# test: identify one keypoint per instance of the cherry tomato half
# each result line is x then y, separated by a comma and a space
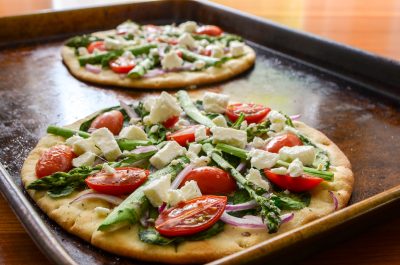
254, 113
185, 135
170, 122
192, 216
56, 159
112, 120
99, 45
209, 30
125, 180
298, 184
280, 141
122, 65
212, 180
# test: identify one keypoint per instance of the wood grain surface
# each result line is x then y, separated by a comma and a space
370, 25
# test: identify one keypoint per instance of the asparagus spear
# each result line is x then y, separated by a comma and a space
191, 57
124, 144
131, 209
326, 175
269, 211
191, 110
142, 68
142, 49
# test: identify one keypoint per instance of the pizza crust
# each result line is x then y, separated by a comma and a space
80, 218
172, 80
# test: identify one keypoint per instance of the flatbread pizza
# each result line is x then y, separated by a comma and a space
157, 57
174, 180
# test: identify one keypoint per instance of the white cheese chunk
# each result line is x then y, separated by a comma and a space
190, 190
112, 44
165, 107
128, 55
82, 51
108, 169
171, 61
201, 161
188, 26
279, 170
186, 40
262, 159
220, 121
175, 197
195, 148
133, 132
213, 102
243, 126
199, 64
157, 190
102, 211
295, 168
254, 176
236, 48
305, 153
200, 133
81, 146
86, 159
192, 156
104, 139
230, 136
128, 27
258, 143
73, 139
277, 120
154, 128
166, 154
216, 51
149, 102
203, 42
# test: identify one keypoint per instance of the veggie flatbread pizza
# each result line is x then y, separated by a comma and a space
180, 181
150, 56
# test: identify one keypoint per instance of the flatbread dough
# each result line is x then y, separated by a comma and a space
170, 80
80, 218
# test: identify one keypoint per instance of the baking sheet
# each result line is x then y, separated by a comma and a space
361, 115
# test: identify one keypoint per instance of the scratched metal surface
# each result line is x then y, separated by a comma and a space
36, 90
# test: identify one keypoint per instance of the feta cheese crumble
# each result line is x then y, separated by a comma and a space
133, 132
165, 107
166, 154
230, 136
262, 159
295, 168
305, 153
254, 176
171, 61
213, 102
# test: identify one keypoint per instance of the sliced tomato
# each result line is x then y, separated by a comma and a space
169, 41
170, 122
297, 184
56, 159
210, 30
254, 113
122, 65
280, 141
191, 217
99, 45
179, 53
112, 120
206, 52
185, 135
212, 180
125, 180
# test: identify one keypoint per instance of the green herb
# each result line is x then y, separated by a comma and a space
141, 69
269, 212
140, 110
292, 201
131, 209
126, 144
191, 110
81, 41
156, 136
259, 130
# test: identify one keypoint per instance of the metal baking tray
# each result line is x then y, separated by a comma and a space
350, 95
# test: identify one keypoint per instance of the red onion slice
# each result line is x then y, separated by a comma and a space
95, 69
94, 195
154, 73
286, 217
240, 207
295, 117
177, 181
144, 149
162, 207
241, 166
131, 113
248, 222
335, 200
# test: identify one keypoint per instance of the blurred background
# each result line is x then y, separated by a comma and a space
370, 25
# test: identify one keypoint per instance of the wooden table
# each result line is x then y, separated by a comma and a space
370, 25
